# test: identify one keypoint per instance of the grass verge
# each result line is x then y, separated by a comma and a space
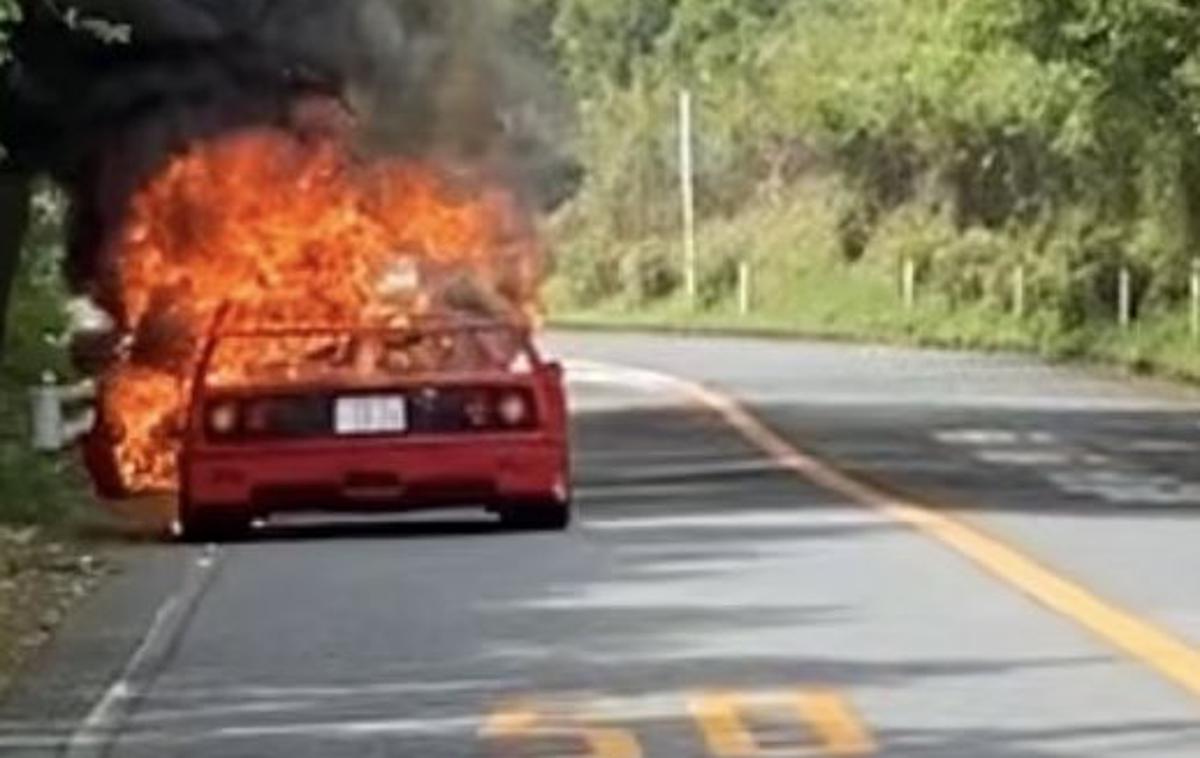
841, 304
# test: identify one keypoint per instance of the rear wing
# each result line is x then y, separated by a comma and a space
417, 328
426, 346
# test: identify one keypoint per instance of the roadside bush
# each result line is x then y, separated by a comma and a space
650, 271
974, 267
911, 233
587, 267
36, 489
717, 277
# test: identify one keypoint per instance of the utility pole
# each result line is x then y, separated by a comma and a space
687, 182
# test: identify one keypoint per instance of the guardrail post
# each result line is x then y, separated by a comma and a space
1195, 290
46, 415
51, 428
745, 299
908, 284
1125, 298
1019, 283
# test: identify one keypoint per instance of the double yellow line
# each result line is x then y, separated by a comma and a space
1151, 645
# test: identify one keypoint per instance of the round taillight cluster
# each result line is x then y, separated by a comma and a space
223, 417
513, 409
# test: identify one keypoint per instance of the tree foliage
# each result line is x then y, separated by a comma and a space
10, 13
1065, 132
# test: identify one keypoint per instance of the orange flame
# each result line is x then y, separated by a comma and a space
285, 231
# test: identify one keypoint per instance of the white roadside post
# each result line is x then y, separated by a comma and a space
1195, 290
46, 415
1125, 298
51, 428
745, 298
908, 283
688, 190
61, 415
1019, 284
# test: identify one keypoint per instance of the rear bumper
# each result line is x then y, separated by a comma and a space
383, 476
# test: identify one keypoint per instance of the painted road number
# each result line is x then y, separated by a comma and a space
727, 722
526, 722
833, 728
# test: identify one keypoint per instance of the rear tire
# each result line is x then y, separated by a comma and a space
548, 517
201, 526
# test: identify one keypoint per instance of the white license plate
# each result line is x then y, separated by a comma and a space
376, 414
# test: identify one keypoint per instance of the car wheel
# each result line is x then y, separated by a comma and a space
548, 517
196, 525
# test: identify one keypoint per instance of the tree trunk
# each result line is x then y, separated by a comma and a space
14, 222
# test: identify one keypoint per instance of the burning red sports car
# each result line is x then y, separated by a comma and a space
296, 324
374, 420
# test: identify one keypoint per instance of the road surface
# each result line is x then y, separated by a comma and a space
784, 549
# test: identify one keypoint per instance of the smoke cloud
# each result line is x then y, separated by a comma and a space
102, 92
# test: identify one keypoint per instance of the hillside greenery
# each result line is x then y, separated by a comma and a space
837, 138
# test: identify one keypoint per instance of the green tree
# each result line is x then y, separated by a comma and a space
603, 45
14, 191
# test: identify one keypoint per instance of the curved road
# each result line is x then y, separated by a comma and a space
785, 549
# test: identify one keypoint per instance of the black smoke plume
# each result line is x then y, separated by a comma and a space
99, 93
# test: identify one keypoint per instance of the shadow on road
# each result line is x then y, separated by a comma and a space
1102, 463
295, 530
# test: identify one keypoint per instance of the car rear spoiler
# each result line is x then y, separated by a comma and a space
421, 327
424, 326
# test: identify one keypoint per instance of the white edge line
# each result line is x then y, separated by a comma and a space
93, 736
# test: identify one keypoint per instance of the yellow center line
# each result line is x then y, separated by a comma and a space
1153, 646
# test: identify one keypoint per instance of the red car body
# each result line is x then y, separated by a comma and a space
485, 430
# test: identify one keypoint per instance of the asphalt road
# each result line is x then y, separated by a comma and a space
888, 552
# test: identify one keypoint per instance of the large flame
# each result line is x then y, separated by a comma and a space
276, 230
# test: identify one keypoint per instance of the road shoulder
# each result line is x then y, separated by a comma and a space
57, 687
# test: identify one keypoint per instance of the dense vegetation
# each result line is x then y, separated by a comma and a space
837, 137
33, 488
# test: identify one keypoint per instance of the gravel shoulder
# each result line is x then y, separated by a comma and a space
43, 577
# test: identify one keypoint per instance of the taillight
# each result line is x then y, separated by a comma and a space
223, 417
477, 410
514, 409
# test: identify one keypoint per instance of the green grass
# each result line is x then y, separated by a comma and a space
803, 286
847, 304
835, 303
